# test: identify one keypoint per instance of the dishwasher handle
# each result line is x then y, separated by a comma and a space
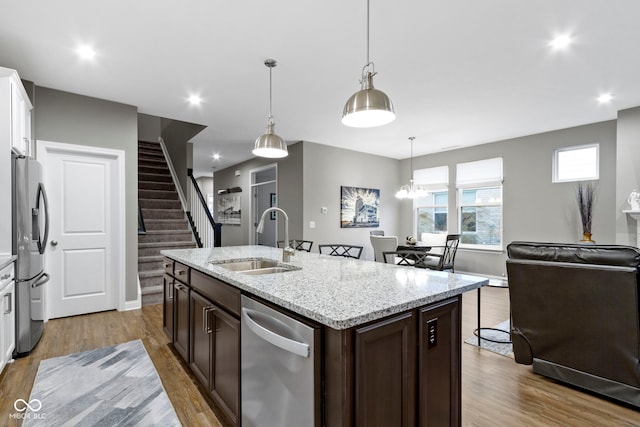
292, 346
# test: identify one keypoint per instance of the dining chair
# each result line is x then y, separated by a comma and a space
410, 258
382, 244
299, 245
376, 233
446, 259
347, 251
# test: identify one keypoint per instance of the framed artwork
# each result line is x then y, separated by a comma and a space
359, 207
272, 203
229, 211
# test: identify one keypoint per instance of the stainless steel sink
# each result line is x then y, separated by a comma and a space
256, 266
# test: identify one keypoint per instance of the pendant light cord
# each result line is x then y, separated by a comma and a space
411, 162
270, 95
368, 33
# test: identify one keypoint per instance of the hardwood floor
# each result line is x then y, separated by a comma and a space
495, 390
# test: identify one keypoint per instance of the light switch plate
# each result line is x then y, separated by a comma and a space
312, 224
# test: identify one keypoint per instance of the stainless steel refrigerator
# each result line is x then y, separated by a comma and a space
30, 222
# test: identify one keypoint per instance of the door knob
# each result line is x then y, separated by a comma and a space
54, 242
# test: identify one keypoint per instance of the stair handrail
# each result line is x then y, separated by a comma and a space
174, 175
216, 226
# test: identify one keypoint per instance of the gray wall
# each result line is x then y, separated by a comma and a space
75, 119
628, 173
325, 170
289, 194
533, 207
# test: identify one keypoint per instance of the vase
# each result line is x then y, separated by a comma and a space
586, 238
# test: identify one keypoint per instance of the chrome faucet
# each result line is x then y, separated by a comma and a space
288, 251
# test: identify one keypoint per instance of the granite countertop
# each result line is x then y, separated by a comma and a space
6, 260
334, 291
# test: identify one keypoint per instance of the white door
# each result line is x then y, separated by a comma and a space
84, 186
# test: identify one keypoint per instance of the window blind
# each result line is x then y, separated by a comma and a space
479, 173
431, 179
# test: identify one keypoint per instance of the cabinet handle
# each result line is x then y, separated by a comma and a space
165, 265
5, 276
10, 309
179, 286
205, 316
171, 290
180, 272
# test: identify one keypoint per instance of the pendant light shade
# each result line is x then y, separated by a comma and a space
269, 144
411, 191
369, 107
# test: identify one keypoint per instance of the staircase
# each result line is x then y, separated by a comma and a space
164, 219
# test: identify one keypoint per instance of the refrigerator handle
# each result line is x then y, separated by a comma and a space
42, 244
44, 278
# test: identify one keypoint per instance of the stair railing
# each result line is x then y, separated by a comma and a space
206, 229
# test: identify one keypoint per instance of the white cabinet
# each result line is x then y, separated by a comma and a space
20, 119
7, 315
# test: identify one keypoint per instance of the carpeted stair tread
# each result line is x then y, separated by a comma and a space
150, 273
158, 194
166, 245
153, 185
154, 177
148, 214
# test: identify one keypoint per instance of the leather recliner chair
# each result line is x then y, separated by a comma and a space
575, 314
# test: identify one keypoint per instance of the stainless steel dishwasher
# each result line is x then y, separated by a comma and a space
280, 368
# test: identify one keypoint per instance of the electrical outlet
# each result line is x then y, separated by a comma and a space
432, 333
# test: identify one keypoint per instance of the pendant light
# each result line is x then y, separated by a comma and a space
411, 191
269, 144
369, 107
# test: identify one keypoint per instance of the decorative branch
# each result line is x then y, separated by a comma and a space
585, 195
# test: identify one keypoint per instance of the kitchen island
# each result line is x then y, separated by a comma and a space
389, 336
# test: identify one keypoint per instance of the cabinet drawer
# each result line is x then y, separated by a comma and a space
167, 265
217, 291
181, 272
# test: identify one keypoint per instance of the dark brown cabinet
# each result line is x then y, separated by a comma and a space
403, 370
167, 307
385, 372
439, 357
181, 320
214, 339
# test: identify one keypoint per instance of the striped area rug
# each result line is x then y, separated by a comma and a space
110, 386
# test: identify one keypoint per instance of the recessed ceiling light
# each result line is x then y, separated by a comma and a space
216, 156
86, 52
561, 41
195, 100
605, 98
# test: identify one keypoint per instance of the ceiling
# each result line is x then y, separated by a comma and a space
460, 72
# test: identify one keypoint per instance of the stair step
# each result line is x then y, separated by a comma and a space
154, 177
149, 144
154, 248
167, 236
159, 204
158, 194
166, 224
150, 263
151, 161
156, 213
150, 274
152, 185
158, 170
152, 295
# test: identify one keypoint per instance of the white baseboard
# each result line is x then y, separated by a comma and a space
136, 303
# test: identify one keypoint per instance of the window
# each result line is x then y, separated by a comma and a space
480, 203
577, 163
431, 211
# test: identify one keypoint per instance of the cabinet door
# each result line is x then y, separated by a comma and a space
439, 364
181, 319
7, 324
385, 358
201, 338
167, 308
225, 378
20, 120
